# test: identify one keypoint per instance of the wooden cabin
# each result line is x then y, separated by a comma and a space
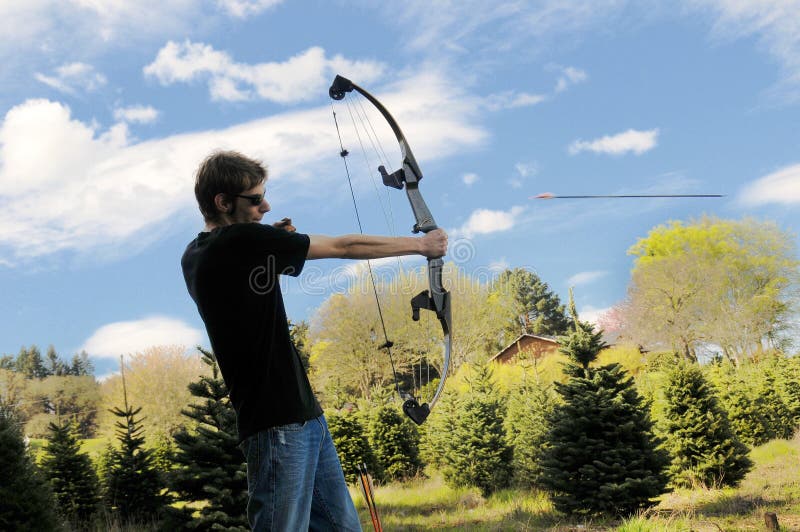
527, 344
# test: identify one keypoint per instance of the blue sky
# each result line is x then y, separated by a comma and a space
108, 106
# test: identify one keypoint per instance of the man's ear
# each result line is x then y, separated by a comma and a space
222, 203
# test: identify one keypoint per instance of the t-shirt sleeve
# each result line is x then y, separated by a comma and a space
279, 251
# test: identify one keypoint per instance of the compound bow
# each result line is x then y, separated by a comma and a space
437, 299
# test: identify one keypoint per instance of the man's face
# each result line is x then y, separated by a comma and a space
250, 205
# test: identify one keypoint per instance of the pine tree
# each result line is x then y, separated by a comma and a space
537, 310
29, 362
529, 408
395, 441
350, 440
81, 365
26, 503
435, 433
777, 413
55, 366
210, 471
790, 381
479, 454
602, 456
704, 448
71, 475
133, 485
746, 413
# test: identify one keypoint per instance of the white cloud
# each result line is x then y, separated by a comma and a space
97, 190
776, 25
526, 169
73, 77
243, 8
523, 170
485, 221
631, 140
512, 100
125, 337
359, 269
781, 186
592, 314
586, 277
460, 28
444, 27
570, 76
469, 179
301, 77
499, 265
78, 26
136, 114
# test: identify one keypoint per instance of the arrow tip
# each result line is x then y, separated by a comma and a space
543, 195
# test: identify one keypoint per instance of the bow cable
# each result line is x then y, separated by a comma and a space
436, 299
387, 343
380, 154
362, 116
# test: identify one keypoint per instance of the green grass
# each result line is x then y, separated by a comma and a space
93, 447
772, 486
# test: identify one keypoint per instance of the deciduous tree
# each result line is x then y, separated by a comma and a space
711, 281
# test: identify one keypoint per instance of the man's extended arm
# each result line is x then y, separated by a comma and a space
433, 244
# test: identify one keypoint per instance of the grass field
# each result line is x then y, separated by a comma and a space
772, 486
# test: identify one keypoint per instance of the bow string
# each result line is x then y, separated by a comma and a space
436, 299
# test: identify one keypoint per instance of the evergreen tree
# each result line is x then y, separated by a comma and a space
537, 310
81, 365
54, 365
602, 456
133, 487
210, 471
350, 440
746, 413
29, 362
789, 372
163, 448
704, 449
435, 433
71, 475
478, 453
777, 413
26, 503
7, 362
529, 408
395, 441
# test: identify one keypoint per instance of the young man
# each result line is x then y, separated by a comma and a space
294, 477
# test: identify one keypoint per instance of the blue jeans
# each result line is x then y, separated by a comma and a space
295, 480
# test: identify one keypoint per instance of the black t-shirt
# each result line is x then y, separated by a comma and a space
233, 275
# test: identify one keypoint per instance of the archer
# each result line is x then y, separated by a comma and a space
294, 476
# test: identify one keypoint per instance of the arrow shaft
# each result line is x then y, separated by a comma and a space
586, 196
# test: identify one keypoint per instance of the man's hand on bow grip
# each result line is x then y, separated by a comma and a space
434, 244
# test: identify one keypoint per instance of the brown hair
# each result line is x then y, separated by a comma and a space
226, 172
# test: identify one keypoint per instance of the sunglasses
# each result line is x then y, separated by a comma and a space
254, 199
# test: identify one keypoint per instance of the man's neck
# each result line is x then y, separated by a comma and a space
210, 226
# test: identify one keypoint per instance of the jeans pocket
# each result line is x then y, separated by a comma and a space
290, 427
